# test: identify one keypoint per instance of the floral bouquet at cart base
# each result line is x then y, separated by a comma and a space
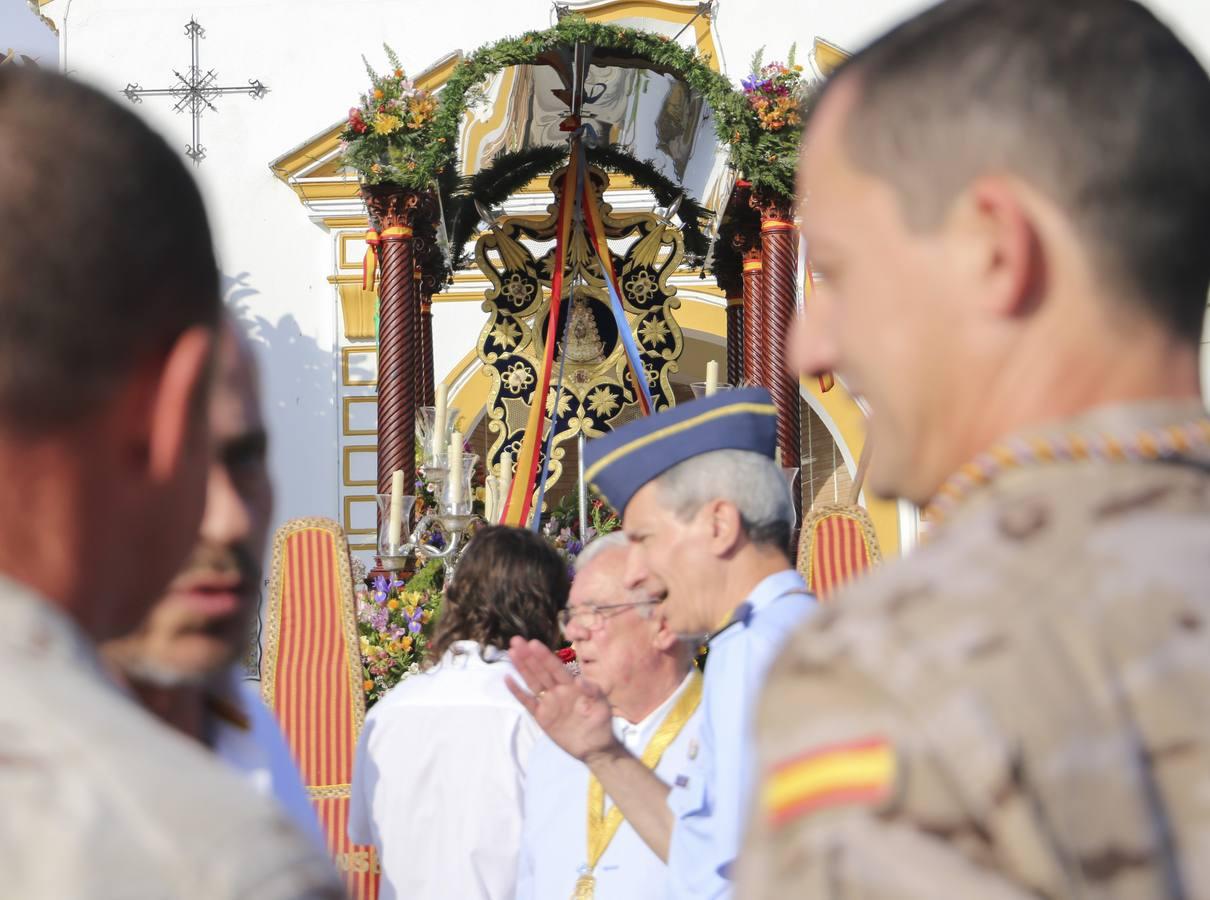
395, 626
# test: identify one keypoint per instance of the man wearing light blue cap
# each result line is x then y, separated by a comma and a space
709, 518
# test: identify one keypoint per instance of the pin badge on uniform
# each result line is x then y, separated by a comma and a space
682, 781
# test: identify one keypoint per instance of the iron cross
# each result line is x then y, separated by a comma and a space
195, 91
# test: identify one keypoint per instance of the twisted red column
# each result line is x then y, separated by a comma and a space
397, 358
735, 339
753, 318
779, 240
398, 317
428, 388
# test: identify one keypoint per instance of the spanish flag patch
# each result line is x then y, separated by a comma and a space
858, 773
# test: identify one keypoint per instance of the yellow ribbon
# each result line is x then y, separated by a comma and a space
602, 827
369, 265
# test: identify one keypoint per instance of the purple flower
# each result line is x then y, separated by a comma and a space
437, 540
749, 83
381, 583
414, 623
574, 547
379, 618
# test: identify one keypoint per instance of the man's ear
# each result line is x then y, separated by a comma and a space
176, 413
1008, 258
723, 526
665, 638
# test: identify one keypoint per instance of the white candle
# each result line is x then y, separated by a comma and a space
455, 464
506, 479
711, 378
439, 422
777, 456
490, 488
395, 531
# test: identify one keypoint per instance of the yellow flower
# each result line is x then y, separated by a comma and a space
367, 685
392, 604
405, 642
413, 598
385, 123
409, 611
365, 644
480, 494
425, 616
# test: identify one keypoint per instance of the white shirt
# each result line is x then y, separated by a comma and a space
439, 779
260, 755
554, 843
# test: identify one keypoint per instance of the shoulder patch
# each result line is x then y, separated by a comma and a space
857, 773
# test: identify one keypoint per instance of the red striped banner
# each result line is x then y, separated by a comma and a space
840, 544
311, 678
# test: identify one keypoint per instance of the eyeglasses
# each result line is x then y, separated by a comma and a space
590, 617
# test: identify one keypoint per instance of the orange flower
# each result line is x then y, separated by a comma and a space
392, 604
399, 73
378, 95
367, 685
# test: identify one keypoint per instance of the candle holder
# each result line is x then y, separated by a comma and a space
458, 499
790, 473
699, 388
425, 416
394, 550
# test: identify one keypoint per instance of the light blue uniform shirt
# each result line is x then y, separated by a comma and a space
711, 799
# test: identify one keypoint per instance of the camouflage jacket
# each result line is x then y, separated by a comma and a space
100, 800
1019, 709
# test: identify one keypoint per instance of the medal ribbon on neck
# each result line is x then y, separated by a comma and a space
602, 827
1149, 444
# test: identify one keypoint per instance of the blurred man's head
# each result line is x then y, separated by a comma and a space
688, 526
1007, 201
202, 624
109, 301
622, 641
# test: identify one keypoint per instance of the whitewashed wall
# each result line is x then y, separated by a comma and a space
308, 53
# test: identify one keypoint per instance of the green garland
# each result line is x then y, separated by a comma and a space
766, 159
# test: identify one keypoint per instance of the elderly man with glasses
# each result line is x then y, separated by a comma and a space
623, 644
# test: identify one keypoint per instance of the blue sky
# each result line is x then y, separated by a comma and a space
21, 30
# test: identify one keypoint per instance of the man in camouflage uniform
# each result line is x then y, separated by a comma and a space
108, 310
1008, 201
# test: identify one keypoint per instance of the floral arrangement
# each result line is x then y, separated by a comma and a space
775, 95
563, 527
389, 136
395, 625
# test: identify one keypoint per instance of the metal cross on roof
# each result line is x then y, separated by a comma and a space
194, 91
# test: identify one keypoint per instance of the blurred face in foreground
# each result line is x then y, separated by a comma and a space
892, 312
202, 624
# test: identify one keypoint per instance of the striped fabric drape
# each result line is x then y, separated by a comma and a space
311, 679
838, 543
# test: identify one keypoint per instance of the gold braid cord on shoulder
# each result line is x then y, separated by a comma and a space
311, 678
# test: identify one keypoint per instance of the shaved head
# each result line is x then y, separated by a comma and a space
1095, 103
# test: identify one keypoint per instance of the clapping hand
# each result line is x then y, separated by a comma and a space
573, 712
